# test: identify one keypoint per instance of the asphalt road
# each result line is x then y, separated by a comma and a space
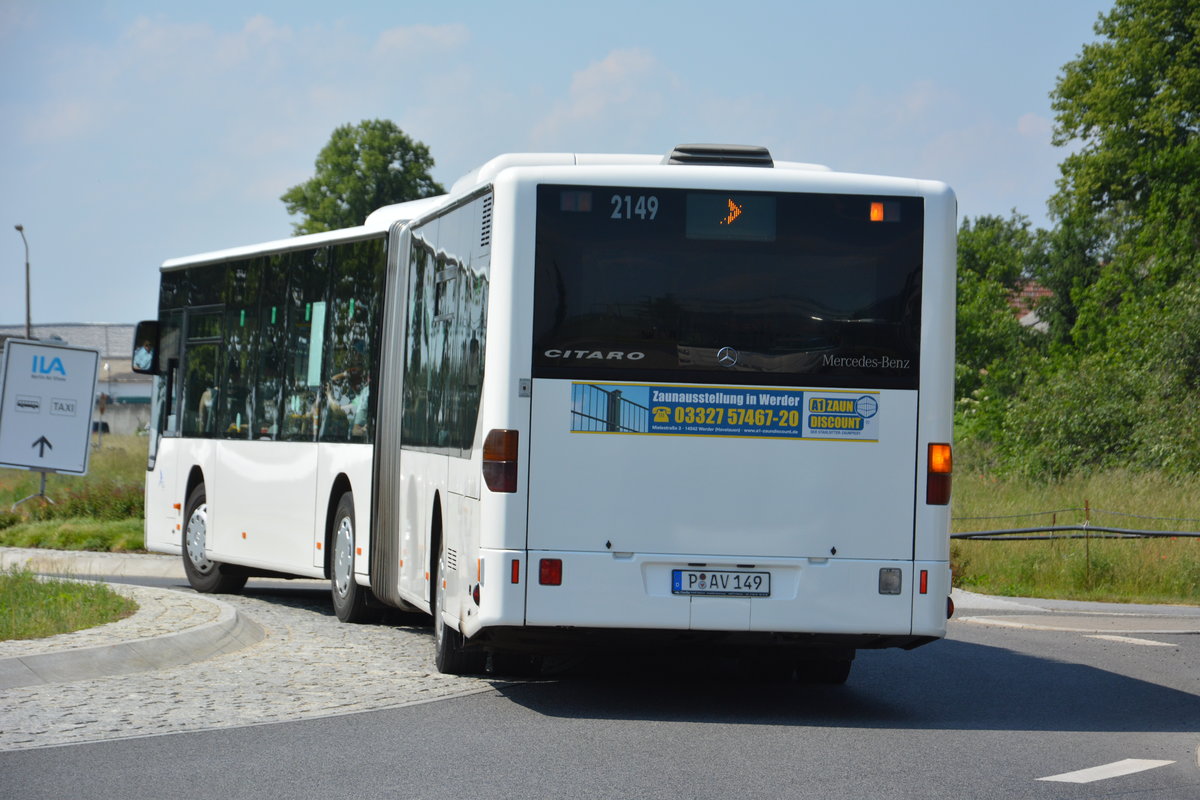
988, 713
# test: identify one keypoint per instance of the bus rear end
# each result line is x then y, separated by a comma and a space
738, 376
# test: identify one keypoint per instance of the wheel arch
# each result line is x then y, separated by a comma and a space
195, 478
341, 485
435, 543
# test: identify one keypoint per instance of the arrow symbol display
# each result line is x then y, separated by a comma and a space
735, 211
43, 443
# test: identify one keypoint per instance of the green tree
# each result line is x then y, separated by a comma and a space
995, 258
1119, 383
1075, 251
1130, 104
362, 168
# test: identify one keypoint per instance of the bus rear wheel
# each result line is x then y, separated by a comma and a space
209, 577
830, 670
451, 656
349, 599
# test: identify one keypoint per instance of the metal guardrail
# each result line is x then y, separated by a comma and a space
1086, 530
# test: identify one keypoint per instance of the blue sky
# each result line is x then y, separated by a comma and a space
134, 132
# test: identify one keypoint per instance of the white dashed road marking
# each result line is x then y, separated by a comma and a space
1132, 640
1114, 770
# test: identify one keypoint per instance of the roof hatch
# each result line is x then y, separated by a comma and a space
726, 155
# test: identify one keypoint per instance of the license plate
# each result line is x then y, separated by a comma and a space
725, 583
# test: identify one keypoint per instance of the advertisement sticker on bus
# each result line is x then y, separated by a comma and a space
765, 413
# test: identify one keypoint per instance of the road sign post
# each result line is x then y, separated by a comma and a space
46, 399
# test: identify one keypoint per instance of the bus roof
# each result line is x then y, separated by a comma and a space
380, 220
488, 171
376, 224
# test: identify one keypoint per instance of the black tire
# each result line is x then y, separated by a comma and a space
209, 577
349, 599
507, 664
828, 671
451, 655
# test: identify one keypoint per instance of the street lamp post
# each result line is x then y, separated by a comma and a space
103, 405
28, 317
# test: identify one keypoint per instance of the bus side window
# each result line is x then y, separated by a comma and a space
200, 390
271, 350
240, 352
357, 270
305, 344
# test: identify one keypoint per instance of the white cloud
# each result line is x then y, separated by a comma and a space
63, 120
623, 90
414, 40
1033, 126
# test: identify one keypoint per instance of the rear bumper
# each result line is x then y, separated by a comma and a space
617, 595
570, 641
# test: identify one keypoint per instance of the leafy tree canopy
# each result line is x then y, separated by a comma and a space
995, 258
1115, 383
362, 168
1130, 103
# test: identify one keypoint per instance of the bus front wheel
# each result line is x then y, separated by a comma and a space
204, 575
349, 599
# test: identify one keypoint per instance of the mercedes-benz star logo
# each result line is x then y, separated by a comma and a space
727, 356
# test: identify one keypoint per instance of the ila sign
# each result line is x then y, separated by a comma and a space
48, 366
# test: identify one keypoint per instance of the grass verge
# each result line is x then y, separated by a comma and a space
32, 609
98, 511
1111, 570
117, 536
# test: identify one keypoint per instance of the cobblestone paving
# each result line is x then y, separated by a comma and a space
309, 665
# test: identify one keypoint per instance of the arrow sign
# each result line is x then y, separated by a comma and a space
735, 211
46, 394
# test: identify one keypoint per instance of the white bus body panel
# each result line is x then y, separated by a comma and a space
721, 495
164, 490
273, 524
280, 525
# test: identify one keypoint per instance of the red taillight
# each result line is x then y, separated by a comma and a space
937, 485
550, 572
516, 571
924, 581
500, 460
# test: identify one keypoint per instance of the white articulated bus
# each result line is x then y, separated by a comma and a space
613, 400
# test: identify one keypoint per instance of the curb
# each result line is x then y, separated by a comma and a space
231, 631
87, 564
1073, 616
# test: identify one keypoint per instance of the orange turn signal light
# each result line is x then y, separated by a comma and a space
937, 484
500, 460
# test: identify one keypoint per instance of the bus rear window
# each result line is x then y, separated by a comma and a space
727, 287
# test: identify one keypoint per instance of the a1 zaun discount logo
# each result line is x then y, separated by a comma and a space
842, 415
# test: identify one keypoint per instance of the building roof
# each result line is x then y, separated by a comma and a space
112, 340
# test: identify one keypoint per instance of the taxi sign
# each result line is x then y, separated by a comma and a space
46, 400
